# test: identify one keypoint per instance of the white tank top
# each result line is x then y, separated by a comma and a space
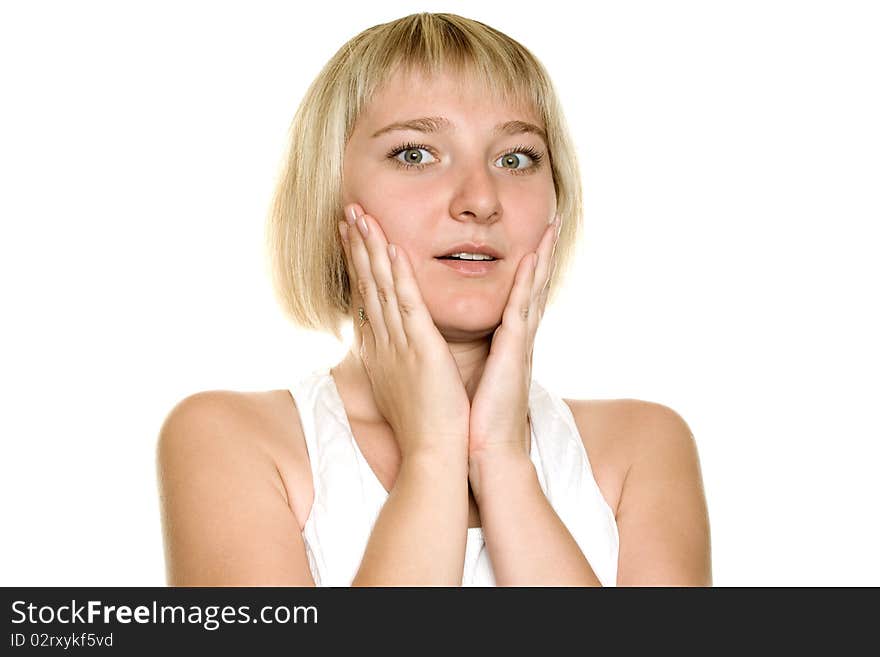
348, 496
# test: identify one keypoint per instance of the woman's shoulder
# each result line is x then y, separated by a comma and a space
251, 421
615, 431
659, 498
627, 414
623, 425
253, 415
218, 460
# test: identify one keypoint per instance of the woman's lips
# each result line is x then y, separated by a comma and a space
470, 267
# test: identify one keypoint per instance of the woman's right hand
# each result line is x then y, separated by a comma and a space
416, 382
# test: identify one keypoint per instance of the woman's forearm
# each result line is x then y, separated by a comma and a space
420, 535
528, 544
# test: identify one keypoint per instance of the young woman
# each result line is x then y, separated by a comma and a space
428, 455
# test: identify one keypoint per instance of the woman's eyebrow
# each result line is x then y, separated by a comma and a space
439, 124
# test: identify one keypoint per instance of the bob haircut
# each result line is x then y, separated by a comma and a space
306, 259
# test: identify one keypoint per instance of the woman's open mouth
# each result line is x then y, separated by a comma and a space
470, 267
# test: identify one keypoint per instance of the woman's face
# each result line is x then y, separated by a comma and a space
474, 186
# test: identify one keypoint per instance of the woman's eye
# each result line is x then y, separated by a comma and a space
511, 160
413, 156
519, 160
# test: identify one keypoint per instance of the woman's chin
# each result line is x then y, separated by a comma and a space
472, 327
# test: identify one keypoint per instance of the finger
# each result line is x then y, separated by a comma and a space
546, 250
545, 292
349, 266
415, 317
366, 284
518, 309
380, 268
551, 265
345, 229
364, 336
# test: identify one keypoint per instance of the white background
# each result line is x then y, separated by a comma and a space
729, 155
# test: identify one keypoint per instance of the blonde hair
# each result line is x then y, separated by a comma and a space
305, 252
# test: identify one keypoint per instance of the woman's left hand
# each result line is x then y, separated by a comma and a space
499, 423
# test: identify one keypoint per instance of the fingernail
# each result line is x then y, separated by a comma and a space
353, 212
554, 220
362, 226
392, 251
343, 231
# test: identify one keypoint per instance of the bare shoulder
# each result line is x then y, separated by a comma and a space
661, 509
209, 419
618, 428
606, 428
221, 416
647, 431
222, 496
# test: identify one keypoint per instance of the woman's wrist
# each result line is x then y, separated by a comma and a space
488, 470
444, 461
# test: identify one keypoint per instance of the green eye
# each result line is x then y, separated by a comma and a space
514, 159
412, 156
414, 160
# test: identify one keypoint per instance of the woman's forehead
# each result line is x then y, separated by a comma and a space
422, 94
446, 80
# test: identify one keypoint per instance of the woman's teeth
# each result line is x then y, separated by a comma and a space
469, 256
